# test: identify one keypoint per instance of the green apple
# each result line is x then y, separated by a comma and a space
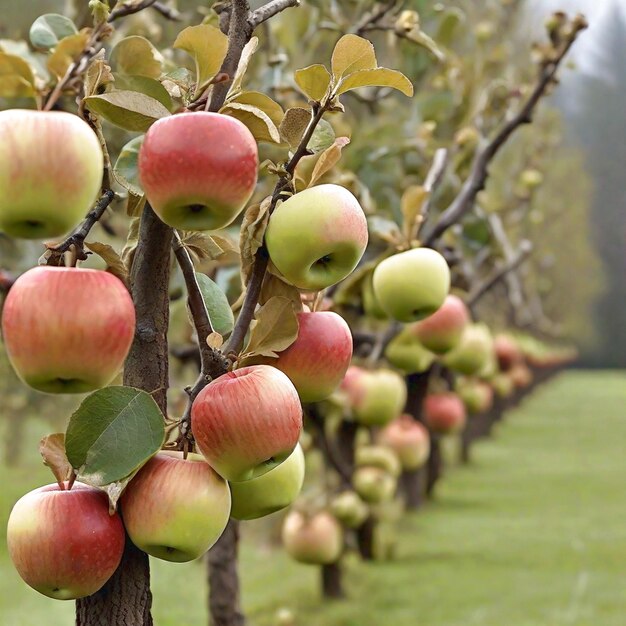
406, 352
378, 456
473, 352
317, 237
477, 395
349, 509
269, 492
314, 539
51, 168
374, 484
412, 285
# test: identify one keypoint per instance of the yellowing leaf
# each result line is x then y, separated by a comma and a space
259, 100
328, 159
16, 77
276, 328
252, 232
136, 56
67, 51
352, 54
378, 77
294, 124
412, 201
258, 122
207, 46
98, 74
114, 262
314, 81
274, 286
246, 54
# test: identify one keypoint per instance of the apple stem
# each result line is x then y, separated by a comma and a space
71, 480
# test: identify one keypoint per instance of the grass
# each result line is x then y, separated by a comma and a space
533, 533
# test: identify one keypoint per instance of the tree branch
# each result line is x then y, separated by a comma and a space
269, 10
370, 22
167, 12
433, 180
334, 460
122, 9
480, 168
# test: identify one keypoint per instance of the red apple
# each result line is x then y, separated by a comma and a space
66, 329
198, 169
442, 331
315, 539
408, 439
317, 361
246, 422
507, 352
65, 544
444, 413
175, 509
521, 375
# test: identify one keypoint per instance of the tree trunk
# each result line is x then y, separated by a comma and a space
365, 538
434, 466
126, 599
412, 485
224, 601
331, 581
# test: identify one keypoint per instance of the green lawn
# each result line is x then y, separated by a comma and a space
533, 533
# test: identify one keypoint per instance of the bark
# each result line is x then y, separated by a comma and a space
365, 538
224, 601
412, 486
331, 581
126, 599
434, 466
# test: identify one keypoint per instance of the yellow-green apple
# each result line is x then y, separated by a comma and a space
51, 168
376, 397
382, 457
477, 395
317, 237
507, 352
370, 304
349, 509
270, 492
412, 285
374, 484
315, 539
318, 359
442, 331
66, 329
473, 352
503, 385
408, 439
407, 353
64, 543
531, 178
247, 422
521, 375
444, 413
175, 509
198, 170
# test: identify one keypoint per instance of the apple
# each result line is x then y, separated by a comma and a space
503, 385
521, 375
477, 395
318, 359
64, 543
349, 509
507, 352
317, 237
376, 397
198, 170
444, 413
411, 285
247, 422
370, 304
315, 539
374, 484
382, 457
51, 168
67, 329
270, 492
474, 351
175, 509
407, 353
408, 439
442, 331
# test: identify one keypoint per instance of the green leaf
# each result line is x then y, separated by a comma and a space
323, 137
313, 81
147, 86
126, 170
66, 52
136, 56
258, 122
448, 25
274, 329
207, 46
113, 432
352, 54
378, 77
16, 77
127, 109
47, 30
216, 302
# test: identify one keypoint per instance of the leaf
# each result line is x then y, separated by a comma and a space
313, 81
207, 46
132, 240
259, 100
49, 29
16, 77
276, 328
274, 286
323, 137
258, 122
215, 341
66, 52
450, 20
147, 86
134, 208
328, 159
253, 227
109, 255
351, 54
115, 490
97, 75
246, 54
126, 170
216, 302
113, 433
378, 77
384, 228
204, 247
129, 110
411, 204
294, 124
52, 449
136, 56
422, 39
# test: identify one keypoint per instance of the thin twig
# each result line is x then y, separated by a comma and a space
168, 13
269, 10
433, 180
370, 22
321, 439
123, 9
